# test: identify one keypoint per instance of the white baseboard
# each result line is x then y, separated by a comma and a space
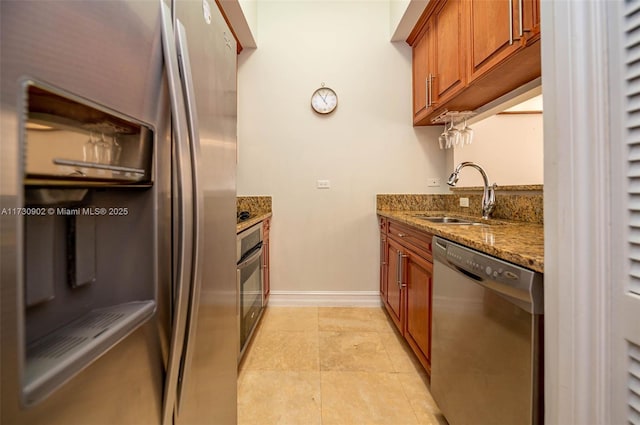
324, 299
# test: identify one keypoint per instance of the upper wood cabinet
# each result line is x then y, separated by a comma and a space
498, 28
423, 71
467, 53
437, 73
449, 37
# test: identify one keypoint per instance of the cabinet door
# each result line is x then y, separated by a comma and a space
384, 259
530, 17
395, 292
419, 279
265, 271
423, 72
266, 283
493, 26
449, 50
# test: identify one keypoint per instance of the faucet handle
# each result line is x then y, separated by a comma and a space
489, 202
491, 192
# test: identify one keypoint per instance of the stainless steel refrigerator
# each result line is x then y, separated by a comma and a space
118, 299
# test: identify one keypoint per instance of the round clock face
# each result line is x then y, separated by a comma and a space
324, 100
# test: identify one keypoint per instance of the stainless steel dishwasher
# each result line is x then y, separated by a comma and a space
487, 354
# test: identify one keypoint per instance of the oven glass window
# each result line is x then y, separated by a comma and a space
251, 297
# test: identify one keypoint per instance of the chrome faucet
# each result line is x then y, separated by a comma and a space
489, 194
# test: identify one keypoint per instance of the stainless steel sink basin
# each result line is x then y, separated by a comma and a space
446, 220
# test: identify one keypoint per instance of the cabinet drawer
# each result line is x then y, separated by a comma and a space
411, 238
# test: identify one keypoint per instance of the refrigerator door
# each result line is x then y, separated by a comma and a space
206, 382
110, 53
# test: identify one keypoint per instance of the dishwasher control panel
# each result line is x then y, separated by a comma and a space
514, 280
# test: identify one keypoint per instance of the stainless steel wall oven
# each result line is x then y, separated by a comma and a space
250, 285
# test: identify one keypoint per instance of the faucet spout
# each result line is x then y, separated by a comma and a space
488, 194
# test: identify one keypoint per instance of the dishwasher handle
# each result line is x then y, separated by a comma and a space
439, 244
470, 275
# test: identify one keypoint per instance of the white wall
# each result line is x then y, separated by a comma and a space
510, 149
249, 12
249, 9
327, 240
397, 8
403, 17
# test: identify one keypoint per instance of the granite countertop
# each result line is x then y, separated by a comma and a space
518, 242
244, 225
259, 208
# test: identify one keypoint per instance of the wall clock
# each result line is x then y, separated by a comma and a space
324, 100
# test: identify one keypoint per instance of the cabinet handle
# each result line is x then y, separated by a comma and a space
401, 235
430, 89
400, 257
426, 90
398, 267
433, 77
510, 22
520, 21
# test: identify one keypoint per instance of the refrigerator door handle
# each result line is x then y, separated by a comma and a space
198, 199
182, 289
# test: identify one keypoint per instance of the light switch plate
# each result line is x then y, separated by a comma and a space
433, 182
323, 184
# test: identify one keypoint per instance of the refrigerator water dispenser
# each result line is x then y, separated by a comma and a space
89, 234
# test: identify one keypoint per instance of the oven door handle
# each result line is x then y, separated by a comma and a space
251, 259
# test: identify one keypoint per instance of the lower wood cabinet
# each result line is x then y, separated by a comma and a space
384, 257
396, 294
417, 331
406, 284
266, 288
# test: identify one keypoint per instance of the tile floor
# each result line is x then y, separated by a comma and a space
332, 366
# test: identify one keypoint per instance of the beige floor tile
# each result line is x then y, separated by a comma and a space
353, 319
403, 358
283, 350
353, 351
290, 319
277, 397
361, 398
416, 388
364, 372
439, 419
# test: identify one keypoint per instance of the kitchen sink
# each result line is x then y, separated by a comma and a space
447, 220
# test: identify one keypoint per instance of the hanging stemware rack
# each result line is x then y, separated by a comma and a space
455, 135
456, 116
